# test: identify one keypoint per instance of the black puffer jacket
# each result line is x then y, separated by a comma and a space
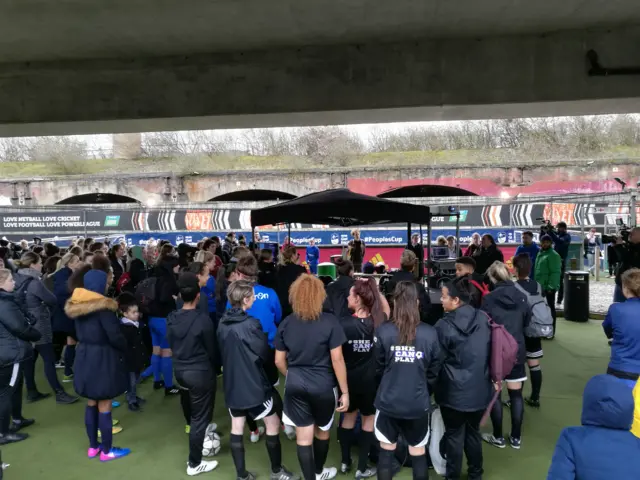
464, 383
245, 350
508, 306
40, 302
337, 294
15, 332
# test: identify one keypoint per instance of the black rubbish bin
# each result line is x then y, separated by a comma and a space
576, 296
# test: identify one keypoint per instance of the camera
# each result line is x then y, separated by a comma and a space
545, 225
623, 232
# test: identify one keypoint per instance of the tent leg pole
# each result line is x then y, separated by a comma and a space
421, 266
458, 251
428, 255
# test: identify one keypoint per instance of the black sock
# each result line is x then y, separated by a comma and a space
366, 439
346, 437
251, 423
320, 452
237, 452
385, 464
536, 381
419, 466
517, 412
496, 418
307, 465
274, 449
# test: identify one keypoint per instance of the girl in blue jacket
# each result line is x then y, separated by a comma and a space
603, 447
622, 326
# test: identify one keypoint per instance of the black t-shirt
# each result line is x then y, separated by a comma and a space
308, 346
358, 352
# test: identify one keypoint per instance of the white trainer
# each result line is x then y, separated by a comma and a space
204, 467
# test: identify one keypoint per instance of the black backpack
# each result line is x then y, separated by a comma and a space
146, 293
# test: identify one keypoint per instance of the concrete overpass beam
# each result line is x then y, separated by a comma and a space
411, 80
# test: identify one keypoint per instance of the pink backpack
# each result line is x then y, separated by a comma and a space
504, 355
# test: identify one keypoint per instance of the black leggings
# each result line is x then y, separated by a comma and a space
11, 379
517, 414
46, 351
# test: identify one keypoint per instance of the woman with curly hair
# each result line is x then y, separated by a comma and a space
309, 354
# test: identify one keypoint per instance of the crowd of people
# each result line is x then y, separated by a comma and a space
114, 316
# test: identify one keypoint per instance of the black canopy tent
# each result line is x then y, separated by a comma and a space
345, 208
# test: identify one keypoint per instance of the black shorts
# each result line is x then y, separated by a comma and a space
255, 413
534, 347
302, 409
362, 401
415, 431
518, 374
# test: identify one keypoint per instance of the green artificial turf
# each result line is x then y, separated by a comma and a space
57, 446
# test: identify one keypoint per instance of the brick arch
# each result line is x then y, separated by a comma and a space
59, 191
96, 198
205, 189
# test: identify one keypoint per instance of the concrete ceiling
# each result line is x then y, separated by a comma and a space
40, 30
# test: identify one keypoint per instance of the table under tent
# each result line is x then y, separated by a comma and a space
344, 208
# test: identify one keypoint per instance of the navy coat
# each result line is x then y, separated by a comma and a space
59, 320
100, 369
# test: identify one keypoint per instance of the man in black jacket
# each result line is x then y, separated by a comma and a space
192, 340
628, 258
245, 350
464, 385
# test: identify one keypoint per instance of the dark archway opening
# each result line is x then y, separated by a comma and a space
252, 196
99, 198
427, 191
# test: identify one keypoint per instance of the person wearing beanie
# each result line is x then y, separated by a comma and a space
548, 272
100, 372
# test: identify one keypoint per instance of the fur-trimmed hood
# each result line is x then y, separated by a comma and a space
83, 302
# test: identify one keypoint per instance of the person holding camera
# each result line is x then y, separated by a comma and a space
561, 243
628, 255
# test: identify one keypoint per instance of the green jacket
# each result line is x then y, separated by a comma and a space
548, 269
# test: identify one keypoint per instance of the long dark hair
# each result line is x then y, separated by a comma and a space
367, 290
406, 314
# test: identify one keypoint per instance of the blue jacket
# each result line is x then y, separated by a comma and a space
622, 324
209, 291
531, 250
603, 447
561, 243
266, 308
313, 255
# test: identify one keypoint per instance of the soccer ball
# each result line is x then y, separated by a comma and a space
211, 445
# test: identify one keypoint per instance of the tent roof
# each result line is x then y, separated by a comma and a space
340, 207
